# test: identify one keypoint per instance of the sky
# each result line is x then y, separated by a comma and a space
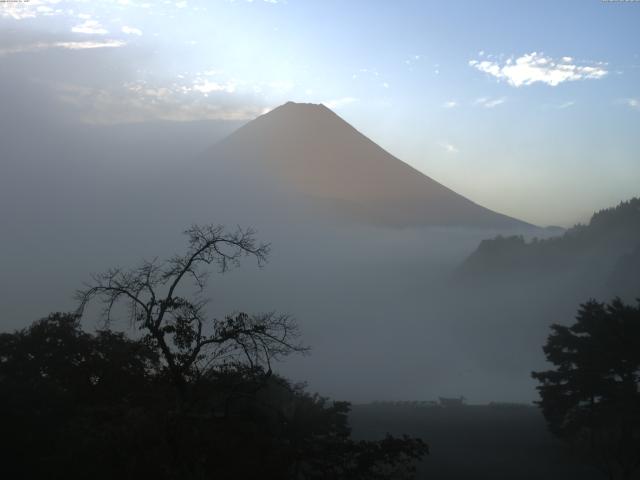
528, 108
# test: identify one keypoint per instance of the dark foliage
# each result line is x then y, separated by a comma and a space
77, 405
193, 398
624, 278
591, 398
590, 250
65, 392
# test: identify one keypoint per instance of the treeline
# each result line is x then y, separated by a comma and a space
609, 246
103, 406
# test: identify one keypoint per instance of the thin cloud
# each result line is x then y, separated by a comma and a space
92, 27
139, 103
27, 9
17, 11
90, 45
412, 61
564, 105
131, 30
450, 104
206, 87
535, 67
633, 103
339, 102
449, 148
36, 47
489, 102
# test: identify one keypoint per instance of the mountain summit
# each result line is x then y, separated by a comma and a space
307, 149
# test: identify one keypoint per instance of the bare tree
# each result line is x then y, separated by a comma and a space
189, 342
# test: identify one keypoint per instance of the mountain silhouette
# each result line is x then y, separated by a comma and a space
307, 150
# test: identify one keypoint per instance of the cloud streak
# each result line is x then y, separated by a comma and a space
489, 102
40, 46
139, 103
90, 27
564, 105
339, 102
449, 148
131, 30
633, 103
206, 87
535, 67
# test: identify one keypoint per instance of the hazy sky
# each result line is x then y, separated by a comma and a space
528, 108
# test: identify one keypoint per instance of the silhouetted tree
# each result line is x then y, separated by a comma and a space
102, 406
65, 393
76, 405
190, 343
591, 397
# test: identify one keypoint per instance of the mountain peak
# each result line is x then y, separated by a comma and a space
301, 109
301, 105
308, 149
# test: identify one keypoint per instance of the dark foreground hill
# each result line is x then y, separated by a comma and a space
476, 442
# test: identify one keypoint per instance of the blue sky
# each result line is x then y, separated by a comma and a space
529, 108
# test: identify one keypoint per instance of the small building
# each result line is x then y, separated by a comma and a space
451, 402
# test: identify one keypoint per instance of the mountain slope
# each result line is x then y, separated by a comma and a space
307, 149
605, 250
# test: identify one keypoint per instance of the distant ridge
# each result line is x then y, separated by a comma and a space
606, 249
308, 150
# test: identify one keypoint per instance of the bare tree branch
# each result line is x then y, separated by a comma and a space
191, 343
